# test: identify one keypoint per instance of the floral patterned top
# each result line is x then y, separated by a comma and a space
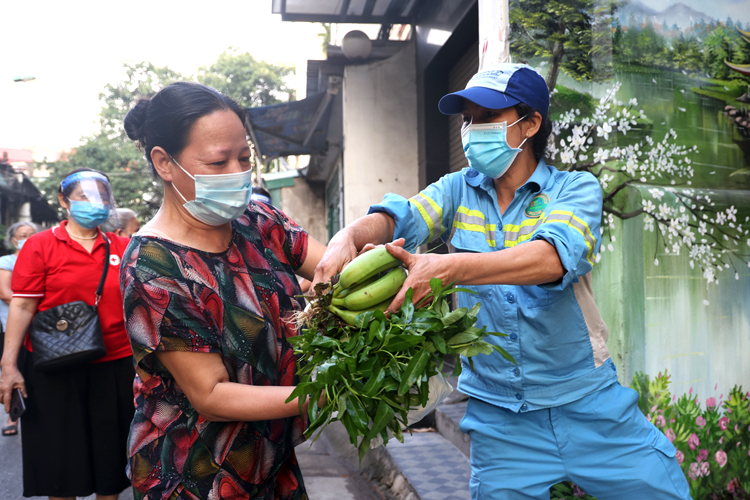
236, 303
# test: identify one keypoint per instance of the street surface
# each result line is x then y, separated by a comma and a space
326, 477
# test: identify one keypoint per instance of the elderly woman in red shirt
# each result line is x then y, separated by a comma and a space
76, 422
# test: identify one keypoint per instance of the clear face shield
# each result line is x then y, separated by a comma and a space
89, 197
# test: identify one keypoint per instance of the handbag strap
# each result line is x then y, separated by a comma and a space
100, 288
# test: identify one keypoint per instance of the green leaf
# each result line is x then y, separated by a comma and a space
301, 389
372, 332
439, 343
358, 414
402, 342
457, 369
363, 447
373, 383
362, 319
323, 341
475, 310
351, 429
454, 316
407, 308
382, 417
505, 354
413, 371
389, 385
436, 285
463, 338
485, 348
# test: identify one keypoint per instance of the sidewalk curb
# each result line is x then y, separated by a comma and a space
378, 465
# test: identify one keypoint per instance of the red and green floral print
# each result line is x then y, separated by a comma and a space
236, 303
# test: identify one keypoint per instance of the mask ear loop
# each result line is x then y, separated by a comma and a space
186, 173
527, 137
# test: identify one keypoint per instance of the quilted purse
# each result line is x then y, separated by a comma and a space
69, 334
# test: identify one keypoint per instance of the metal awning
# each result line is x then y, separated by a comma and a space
348, 11
291, 128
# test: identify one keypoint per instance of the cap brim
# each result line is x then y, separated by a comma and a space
452, 104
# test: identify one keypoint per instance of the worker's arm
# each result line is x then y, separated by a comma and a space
533, 263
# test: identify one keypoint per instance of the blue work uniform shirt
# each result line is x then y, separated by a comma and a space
555, 332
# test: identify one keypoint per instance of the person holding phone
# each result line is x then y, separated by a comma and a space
76, 422
15, 237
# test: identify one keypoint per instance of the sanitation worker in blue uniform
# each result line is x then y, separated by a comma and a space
526, 236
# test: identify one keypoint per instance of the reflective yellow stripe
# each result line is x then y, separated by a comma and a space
470, 213
487, 229
569, 219
431, 212
518, 233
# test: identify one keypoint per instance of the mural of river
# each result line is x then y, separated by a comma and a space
667, 100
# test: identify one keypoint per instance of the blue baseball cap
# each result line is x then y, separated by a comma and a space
500, 87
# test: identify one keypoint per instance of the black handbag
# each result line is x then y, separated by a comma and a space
69, 334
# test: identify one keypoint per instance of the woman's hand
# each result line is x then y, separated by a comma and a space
340, 251
422, 268
10, 378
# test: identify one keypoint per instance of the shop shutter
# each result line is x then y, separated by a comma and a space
458, 77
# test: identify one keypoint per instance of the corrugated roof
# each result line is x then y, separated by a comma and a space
348, 11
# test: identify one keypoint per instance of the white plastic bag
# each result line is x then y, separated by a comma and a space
439, 390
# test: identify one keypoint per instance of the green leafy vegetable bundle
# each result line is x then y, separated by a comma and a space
374, 371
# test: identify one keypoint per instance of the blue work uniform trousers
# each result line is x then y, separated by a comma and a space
601, 442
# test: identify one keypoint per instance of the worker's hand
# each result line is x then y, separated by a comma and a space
422, 268
339, 252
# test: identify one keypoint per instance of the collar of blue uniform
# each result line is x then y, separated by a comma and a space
535, 183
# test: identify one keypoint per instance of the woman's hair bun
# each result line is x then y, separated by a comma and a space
135, 120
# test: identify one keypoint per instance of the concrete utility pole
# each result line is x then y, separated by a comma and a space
494, 33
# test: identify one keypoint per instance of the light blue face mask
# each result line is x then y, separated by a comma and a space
219, 198
88, 215
19, 244
487, 149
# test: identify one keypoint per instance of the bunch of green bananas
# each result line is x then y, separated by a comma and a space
368, 283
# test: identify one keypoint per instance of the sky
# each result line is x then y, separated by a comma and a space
74, 48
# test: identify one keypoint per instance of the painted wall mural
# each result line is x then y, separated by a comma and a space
653, 99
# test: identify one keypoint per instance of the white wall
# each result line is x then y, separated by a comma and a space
305, 207
380, 132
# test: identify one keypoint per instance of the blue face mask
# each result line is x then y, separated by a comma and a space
88, 215
19, 244
487, 149
219, 198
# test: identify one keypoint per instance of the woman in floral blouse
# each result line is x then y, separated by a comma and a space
209, 288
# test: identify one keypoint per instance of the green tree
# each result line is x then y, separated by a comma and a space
111, 151
249, 82
246, 80
132, 183
575, 35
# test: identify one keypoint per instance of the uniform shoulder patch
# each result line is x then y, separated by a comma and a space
537, 205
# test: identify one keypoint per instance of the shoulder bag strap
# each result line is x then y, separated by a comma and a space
100, 289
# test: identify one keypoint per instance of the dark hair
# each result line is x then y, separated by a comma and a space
260, 190
165, 119
539, 145
75, 171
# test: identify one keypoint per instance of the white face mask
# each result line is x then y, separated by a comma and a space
219, 198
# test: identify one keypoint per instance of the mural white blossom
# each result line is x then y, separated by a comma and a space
682, 219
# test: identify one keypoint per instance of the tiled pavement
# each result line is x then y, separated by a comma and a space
433, 466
